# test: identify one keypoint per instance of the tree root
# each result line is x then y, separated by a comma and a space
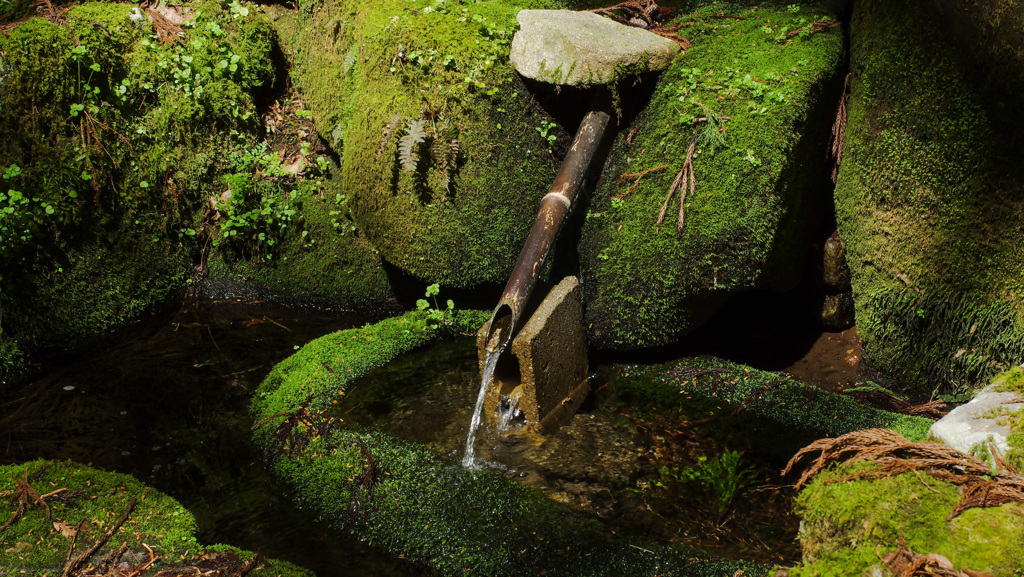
624, 178
980, 484
839, 128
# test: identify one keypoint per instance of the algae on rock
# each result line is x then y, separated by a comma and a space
440, 150
89, 502
929, 209
758, 93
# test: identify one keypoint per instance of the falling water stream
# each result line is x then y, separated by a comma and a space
474, 424
495, 347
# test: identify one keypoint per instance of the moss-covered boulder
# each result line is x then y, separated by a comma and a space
441, 153
411, 502
328, 261
929, 204
133, 156
848, 526
753, 97
777, 414
992, 32
108, 141
58, 511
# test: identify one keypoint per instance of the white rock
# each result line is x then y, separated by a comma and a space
964, 428
582, 48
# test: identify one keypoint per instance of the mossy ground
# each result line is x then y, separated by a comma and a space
453, 204
35, 545
755, 174
847, 526
423, 507
928, 207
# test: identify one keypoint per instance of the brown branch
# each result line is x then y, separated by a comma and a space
685, 181
624, 178
815, 27
839, 128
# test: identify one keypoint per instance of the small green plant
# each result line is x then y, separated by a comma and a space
546, 132
436, 316
720, 478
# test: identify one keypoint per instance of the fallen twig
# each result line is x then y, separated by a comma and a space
624, 178
685, 181
70, 567
839, 128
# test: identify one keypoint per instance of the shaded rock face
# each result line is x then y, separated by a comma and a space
441, 153
583, 48
756, 147
837, 311
929, 207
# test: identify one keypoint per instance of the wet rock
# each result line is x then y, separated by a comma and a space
835, 273
583, 48
745, 219
837, 312
547, 369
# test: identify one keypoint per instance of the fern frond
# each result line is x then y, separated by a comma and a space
415, 134
389, 129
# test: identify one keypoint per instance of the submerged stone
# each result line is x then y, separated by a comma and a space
837, 312
924, 205
583, 48
756, 104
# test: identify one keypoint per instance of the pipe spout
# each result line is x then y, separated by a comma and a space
555, 205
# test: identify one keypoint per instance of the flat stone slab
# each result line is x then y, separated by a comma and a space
965, 429
583, 48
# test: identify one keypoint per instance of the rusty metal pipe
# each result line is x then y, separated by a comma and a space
553, 208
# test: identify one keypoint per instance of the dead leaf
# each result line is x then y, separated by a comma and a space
295, 167
68, 531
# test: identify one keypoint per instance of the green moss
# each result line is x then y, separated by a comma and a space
1013, 381
368, 72
847, 525
777, 414
427, 508
766, 98
329, 261
922, 204
1010, 381
111, 143
34, 544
